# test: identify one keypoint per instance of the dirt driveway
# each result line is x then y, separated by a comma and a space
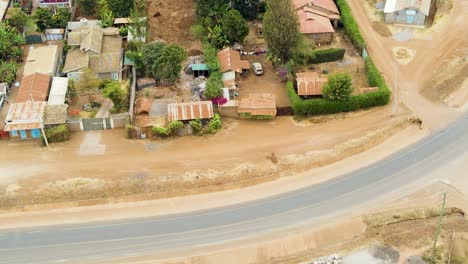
266, 83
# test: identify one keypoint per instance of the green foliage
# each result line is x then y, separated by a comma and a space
362, 101
350, 25
105, 13
256, 117
150, 53
138, 25
197, 127
120, 8
339, 87
46, 18
216, 36
214, 125
87, 7
55, 134
214, 86
211, 57
234, 27
250, 9
210, 8
171, 130
169, 63
198, 31
117, 93
281, 29
135, 53
18, 19
327, 55
8, 71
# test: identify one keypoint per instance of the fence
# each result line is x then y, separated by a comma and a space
86, 124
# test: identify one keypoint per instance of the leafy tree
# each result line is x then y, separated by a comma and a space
117, 93
17, 19
134, 52
60, 18
10, 40
43, 18
140, 7
105, 13
137, 26
8, 71
281, 28
234, 26
211, 57
169, 63
210, 8
214, 86
120, 8
150, 53
87, 7
339, 87
249, 8
216, 37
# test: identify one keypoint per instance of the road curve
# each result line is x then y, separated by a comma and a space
151, 235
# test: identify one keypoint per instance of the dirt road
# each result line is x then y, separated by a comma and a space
429, 57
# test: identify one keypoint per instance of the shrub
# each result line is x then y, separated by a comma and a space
339, 87
197, 127
59, 133
171, 130
350, 25
214, 125
327, 55
256, 117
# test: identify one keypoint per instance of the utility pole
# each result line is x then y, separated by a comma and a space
439, 225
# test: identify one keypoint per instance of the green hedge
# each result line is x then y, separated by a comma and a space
256, 117
350, 25
327, 55
362, 101
171, 130
55, 134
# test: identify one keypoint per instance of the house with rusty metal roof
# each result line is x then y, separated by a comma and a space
257, 106
25, 120
318, 19
33, 87
408, 12
309, 83
94, 48
190, 111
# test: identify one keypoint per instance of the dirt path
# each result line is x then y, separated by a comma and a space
429, 56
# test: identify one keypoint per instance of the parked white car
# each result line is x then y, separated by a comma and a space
257, 68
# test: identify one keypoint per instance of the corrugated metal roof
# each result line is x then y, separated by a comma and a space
309, 83
200, 67
42, 59
55, 114
424, 6
258, 104
58, 91
190, 110
35, 87
24, 114
230, 60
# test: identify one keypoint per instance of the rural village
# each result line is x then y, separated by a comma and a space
108, 101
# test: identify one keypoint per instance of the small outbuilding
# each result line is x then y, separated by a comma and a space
200, 69
58, 91
309, 83
54, 34
258, 106
190, 111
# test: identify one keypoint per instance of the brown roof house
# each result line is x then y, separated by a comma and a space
33, 87
94, 48
231, 66
25, 120
258, 106
317, 19
190, 111
309, 83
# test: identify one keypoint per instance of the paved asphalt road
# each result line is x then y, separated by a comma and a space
60, 244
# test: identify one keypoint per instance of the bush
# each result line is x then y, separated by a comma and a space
197, 127
339, 87
350, 25
59, 133
256, 117
214, 125
327, 55
171, 130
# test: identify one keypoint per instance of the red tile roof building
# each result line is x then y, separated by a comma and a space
309, 83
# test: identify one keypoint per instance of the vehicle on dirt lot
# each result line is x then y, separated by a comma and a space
257, 68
